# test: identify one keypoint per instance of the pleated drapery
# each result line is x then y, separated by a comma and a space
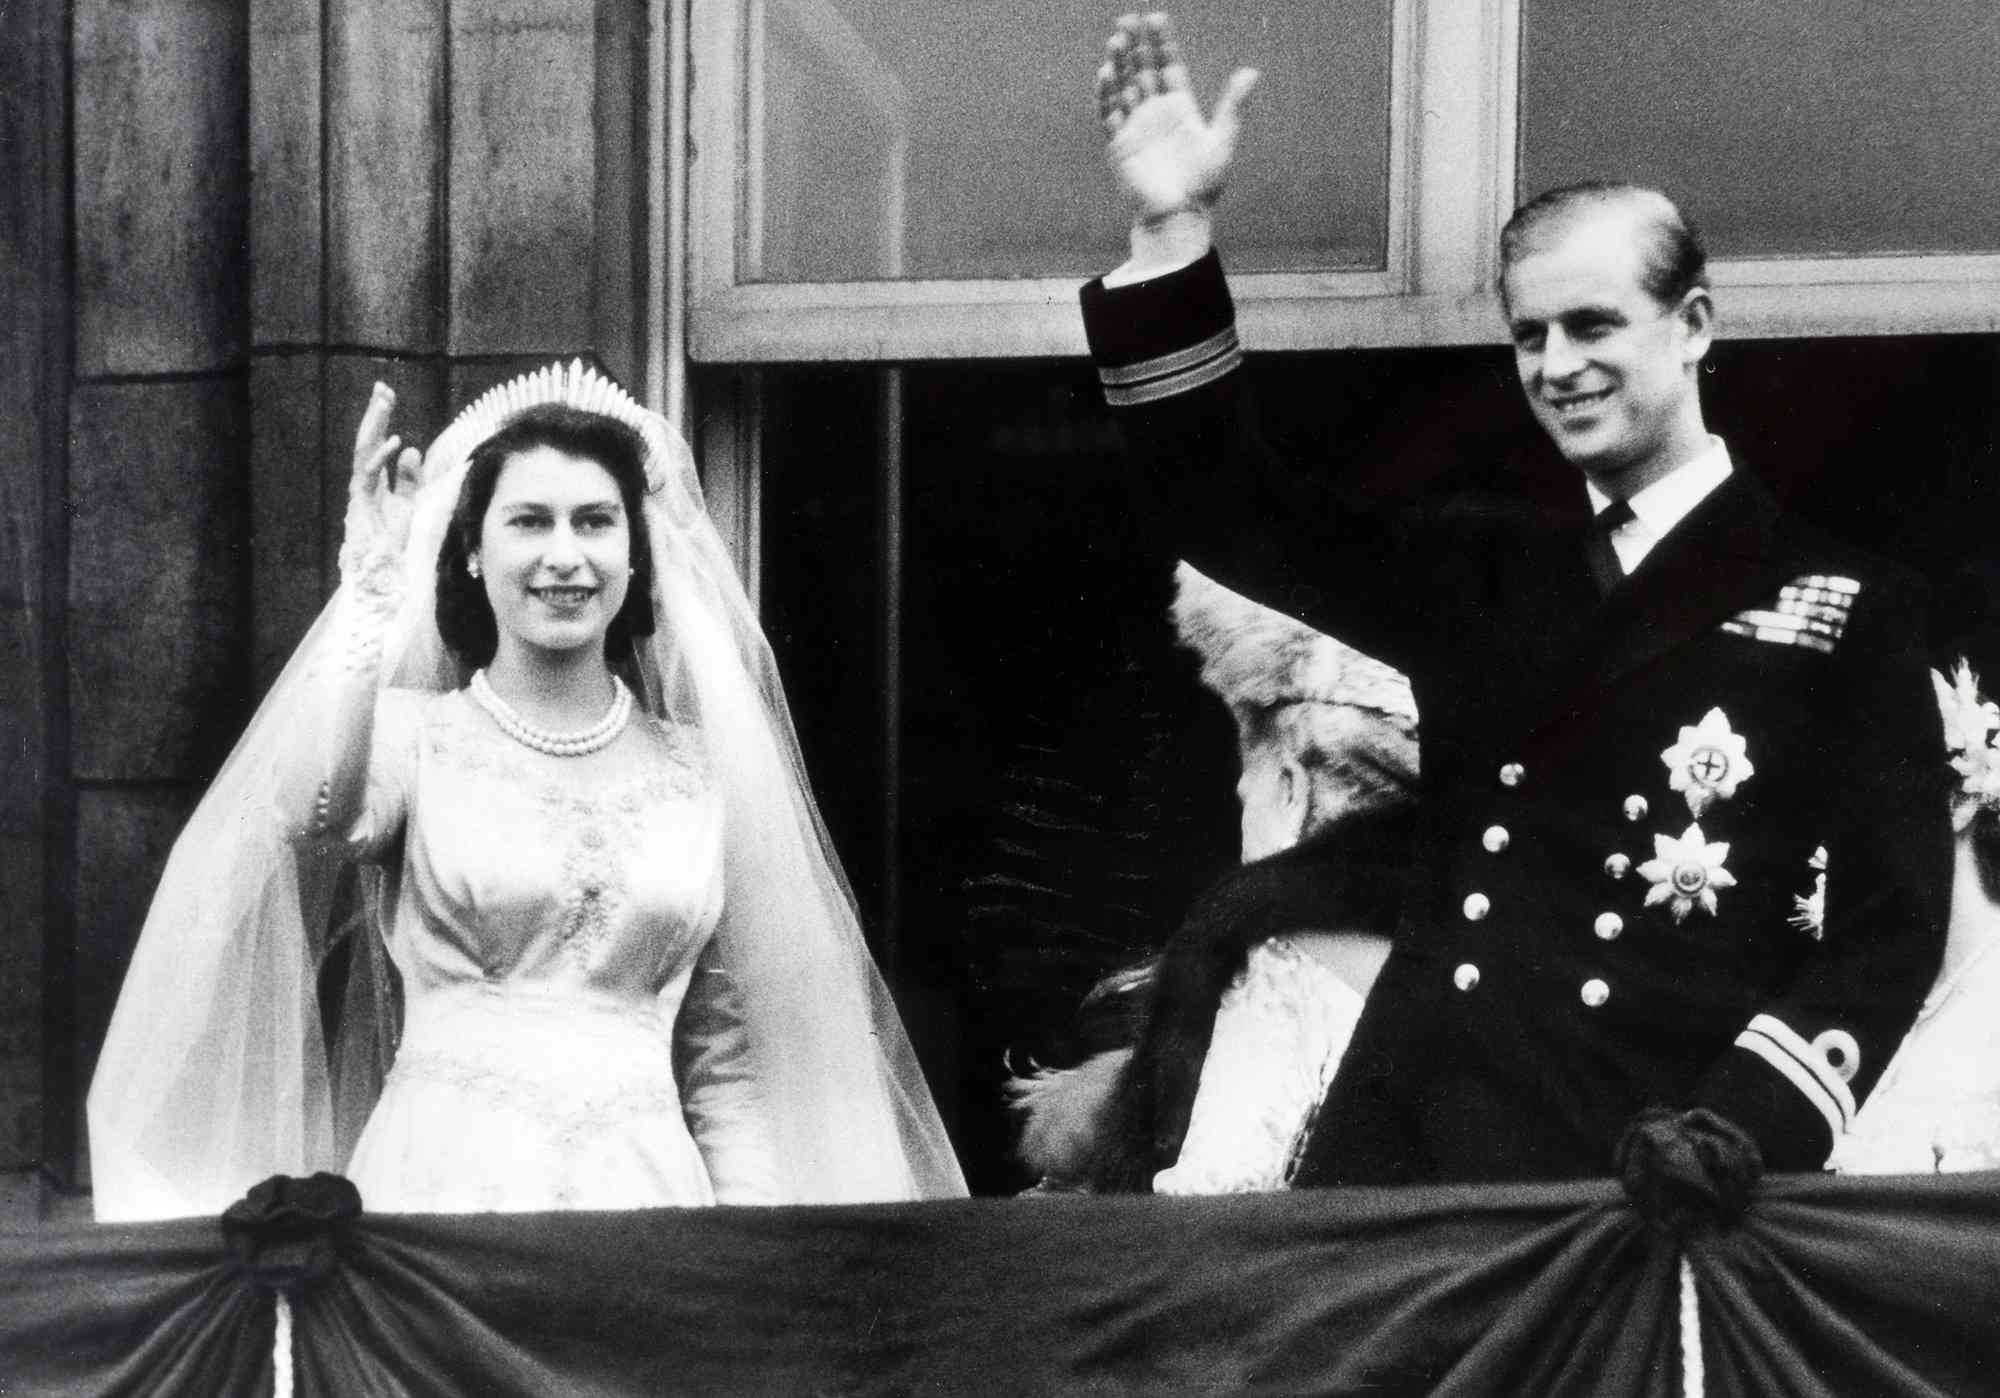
1826, 1286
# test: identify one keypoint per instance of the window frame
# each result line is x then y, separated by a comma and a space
1453, 166
1454, 92
1440, 230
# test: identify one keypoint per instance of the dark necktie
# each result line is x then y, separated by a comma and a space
1605, 569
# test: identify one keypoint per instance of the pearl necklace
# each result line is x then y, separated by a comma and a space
599, 735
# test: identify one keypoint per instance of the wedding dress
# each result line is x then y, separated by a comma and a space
631, 977
553, 974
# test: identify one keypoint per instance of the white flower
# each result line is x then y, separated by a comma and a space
1708, 763
1969, 723
1809, 909
1686, 872
1968, 719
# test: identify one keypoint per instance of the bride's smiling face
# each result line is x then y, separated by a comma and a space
555, 550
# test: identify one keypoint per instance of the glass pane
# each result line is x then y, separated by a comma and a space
1785, 127
888, 139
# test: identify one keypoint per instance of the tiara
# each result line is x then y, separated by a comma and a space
574, 385
1970, 723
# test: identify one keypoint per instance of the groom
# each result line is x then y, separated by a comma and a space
1640, 724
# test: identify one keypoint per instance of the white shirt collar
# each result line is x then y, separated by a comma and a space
1664, 503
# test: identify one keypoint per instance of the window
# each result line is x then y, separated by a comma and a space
880, 181
888, 140
874, 180
1790, 128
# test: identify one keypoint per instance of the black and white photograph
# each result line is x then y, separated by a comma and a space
851, 697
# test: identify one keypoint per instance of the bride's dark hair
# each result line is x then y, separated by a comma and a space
464, 616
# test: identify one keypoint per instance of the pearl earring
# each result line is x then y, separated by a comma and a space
472, 566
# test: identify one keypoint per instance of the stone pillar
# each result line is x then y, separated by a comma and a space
446, 194
34, 358
156, 487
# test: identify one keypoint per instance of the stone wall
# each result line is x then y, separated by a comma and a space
33, 380
223, 221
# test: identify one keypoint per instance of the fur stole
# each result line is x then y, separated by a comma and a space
1111, 1123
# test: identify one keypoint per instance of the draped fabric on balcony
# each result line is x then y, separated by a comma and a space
1836, 1286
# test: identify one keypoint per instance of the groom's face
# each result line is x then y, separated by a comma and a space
1607, 368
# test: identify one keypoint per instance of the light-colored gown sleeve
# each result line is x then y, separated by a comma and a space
1279, 1035
213, 1073
344, 782
716, 1068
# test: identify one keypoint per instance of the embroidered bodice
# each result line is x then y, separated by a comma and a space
572, 1038
522, 868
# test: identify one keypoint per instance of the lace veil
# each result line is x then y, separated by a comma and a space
216, 1071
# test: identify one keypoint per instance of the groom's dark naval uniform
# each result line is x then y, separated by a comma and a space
1623, 793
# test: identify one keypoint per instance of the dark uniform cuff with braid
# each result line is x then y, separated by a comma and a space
1166, 336
1795, 1109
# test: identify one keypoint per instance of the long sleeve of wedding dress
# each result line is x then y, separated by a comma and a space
336, 784
719, 1092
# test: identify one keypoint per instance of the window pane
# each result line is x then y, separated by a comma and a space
1785, 126
889, 139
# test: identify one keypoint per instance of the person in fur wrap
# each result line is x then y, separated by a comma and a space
1228, 1038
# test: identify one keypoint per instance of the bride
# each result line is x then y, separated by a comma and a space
540, 719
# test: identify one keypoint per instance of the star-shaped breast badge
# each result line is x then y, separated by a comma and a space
1686, 872
1708, 763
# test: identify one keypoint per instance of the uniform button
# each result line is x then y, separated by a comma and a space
1512, 773
1495, 839
1466, 976
1477, 906
1635, 808
1608, 926
1841, 1053
1595, 993
1618, 866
